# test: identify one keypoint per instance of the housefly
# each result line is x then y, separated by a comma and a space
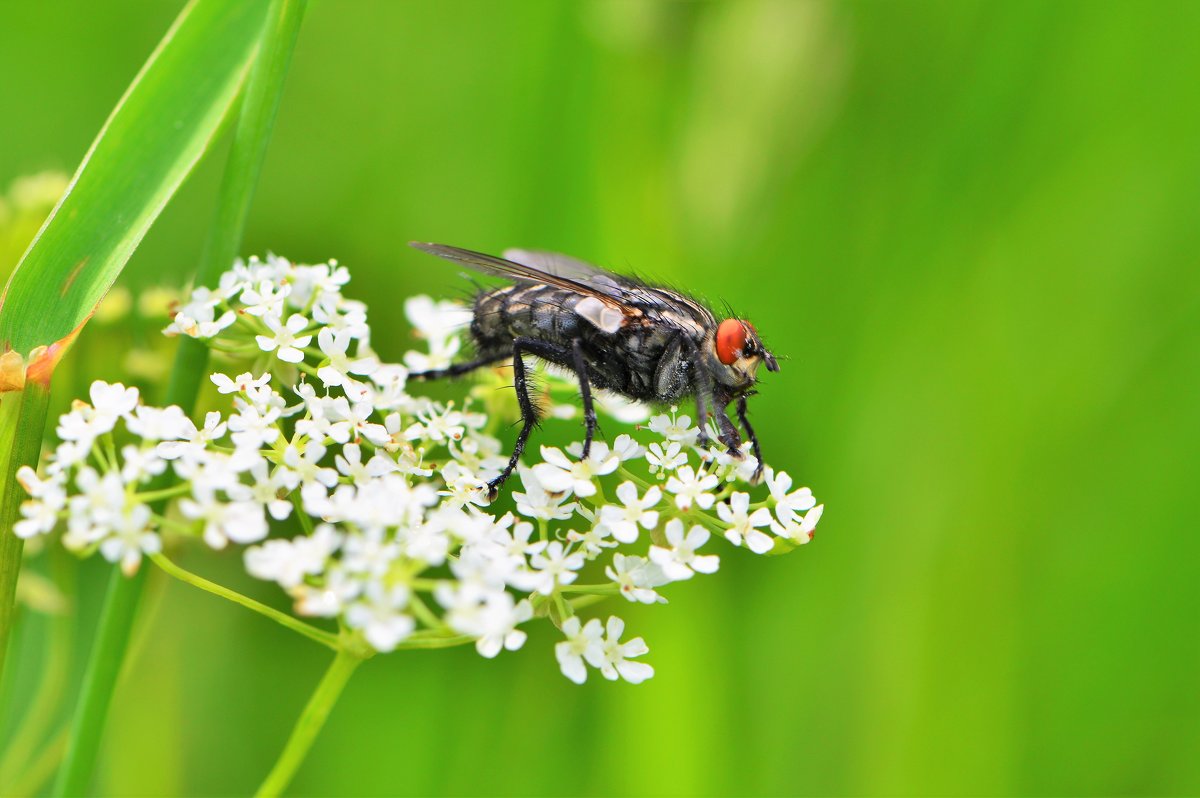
614, 332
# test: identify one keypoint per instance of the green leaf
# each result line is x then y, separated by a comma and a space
156, 134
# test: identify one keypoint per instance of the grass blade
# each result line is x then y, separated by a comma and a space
155, 135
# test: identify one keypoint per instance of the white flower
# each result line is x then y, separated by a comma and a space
335, 346
113, 400
680, 561
328, 599
594, 541
554, 565
378, 614
615, 658
801, 532
623, 521
356, 416
129, 538
95, 509
741, 465
437, 424
462, 486
198, 318
691, 488
370, 553
743, 525
537, 502
239, 521
788, 505
637, 577
490, 616
626, 448
583, 643
245, 383
254, 428
307, 465
40, 514
675, 428
85, 423
349, 463
265, 299
195, 442
267, 486
289, 561
140, 464
285, 339
560, 474
159, 424
323, 280
436, 321
621, 409
666, 458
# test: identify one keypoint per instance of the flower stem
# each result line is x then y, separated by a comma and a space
327, 639
309, 725
99, 681
151, 496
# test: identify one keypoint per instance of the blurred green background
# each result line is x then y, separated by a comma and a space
973, 230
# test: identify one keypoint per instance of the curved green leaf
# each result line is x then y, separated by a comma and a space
155, 135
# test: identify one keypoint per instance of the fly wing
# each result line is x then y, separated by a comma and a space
603, 305
558, 263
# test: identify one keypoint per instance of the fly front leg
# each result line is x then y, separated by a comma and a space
529, 415
729, 433
754, 446
585, 395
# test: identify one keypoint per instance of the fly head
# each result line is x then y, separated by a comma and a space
735, 354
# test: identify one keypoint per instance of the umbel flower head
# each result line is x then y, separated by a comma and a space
367, 504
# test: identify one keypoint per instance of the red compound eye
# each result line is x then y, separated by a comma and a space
731, 337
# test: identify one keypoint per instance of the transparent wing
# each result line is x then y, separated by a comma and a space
581, 278
557, 263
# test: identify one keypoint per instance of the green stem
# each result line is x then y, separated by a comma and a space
257, 115
99, 681
40, 767
327, 639
417, 641
309, 725
259, 106
44, 708
152, 496
22, 419
610, 589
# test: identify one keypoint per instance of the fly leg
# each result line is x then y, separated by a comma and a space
454, 370
585, 394
702, 382
729, 433
529, 415
754, 446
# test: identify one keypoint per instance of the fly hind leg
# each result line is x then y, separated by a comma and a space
529, 414
585, 395
455, 369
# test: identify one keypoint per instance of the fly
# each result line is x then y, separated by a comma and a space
614, 332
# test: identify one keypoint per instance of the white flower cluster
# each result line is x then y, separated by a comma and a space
399, 543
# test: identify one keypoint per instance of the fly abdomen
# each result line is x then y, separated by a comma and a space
524, 310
